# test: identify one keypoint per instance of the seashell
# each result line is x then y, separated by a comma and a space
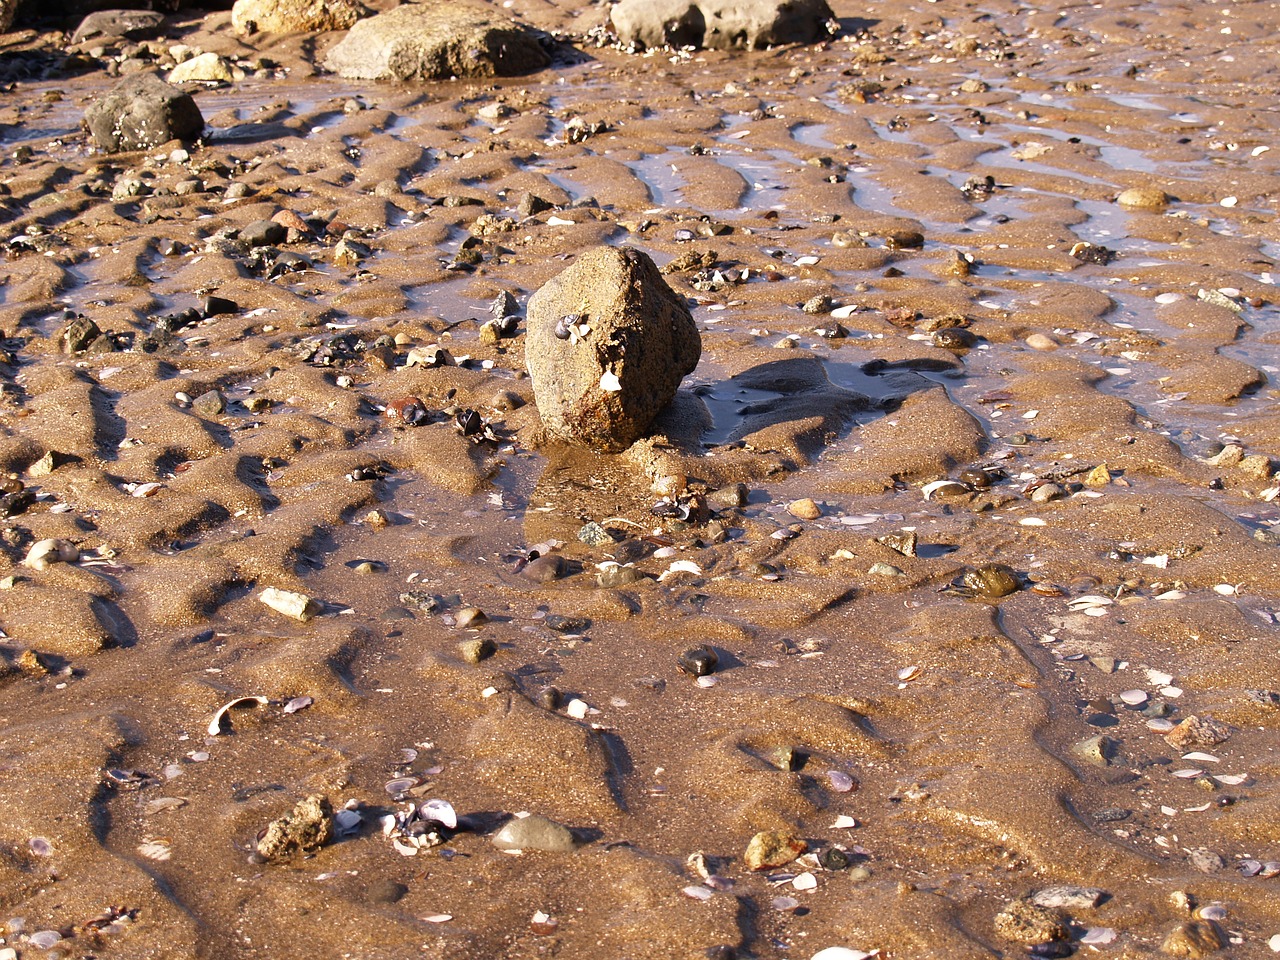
805, 881
950, 487
1212, 911
697, 892
401, 785
1188, 773
844, 822
565, 325
441, 812
908, 673
44, 939
1135, 698
844, 953
841, 782
1199, 757
406, 411
679, 566
577, 708
543, 924
1098, 935
296, 704
784, 904
146, 489
698, 661
609, 382
43, 553
404, 848
155, 849
41, 847
347, 822
219, 718
438, 918
1231, 779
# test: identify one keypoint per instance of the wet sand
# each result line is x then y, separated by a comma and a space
1000, 135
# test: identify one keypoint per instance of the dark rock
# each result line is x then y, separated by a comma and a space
209, 404
531, 204
141, 112
720, 24
129, 24
218, 306
435, 42
78, 334
262, 233
632, 341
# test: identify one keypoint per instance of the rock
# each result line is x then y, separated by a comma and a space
1041, 341
349, 253
1072, 898
1095, 750
613, 575
304, 829
421, 41
113, 24
476, 649
262, 233
1194, 938
299, 606
8, 10
78, 334
631, 342
534, 832
141, 112
1205, 860
470, 618
1099, 476
1143, 198
206, 68
211, 403
720, 24
1197, 732
804, 509
773, 848
294, 16
594, 535
1025, 922
1257, 466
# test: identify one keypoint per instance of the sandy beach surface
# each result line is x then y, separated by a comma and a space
1032, 709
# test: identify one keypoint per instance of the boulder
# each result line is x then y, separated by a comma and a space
419, 41
123, 24
141, 112
607, 346
295, 16
720, 24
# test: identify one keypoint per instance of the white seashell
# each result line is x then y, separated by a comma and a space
215, 725
1225, 589
1171, 595
43, 553
554, 221
440, 811
1032, 522
1231, 779
1098, 935
841, 782
146, 489
609, 382
155, 849
843, 313
577, 708
807, 261
1199, 757
1169, 811
908, 673
1173, 693
1228, 201
679, 566
1134, 698
1274, 943
1200, 809
1158, 677
697, 892
1031, 415
1212, 911
1168, 298
1160, 725
705, 682
296, 704
844, 823
438, 918
1087, 601
1160, 560
347, 822
805, 881
1188, 774
784, 904
844, 953
403, 848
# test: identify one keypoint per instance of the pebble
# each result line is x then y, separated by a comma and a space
699, 661
804, 509
1095, 750
211, 403
299, 606
534, 832
1046, 492
476, 649
469, 618
305, 828
594, 535
1071, 898
1025, 922
1193, 939
1143, 198
773, 848
884, 570
1039, 341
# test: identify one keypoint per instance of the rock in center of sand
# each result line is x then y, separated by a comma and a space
608, 344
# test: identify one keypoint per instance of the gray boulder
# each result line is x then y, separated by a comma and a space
608, 344
420, 41
720, 24
295, 16
110, 24
141, 112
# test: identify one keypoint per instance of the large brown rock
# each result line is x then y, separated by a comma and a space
419, 41
295, 16
620, 361
141, 112
720, 24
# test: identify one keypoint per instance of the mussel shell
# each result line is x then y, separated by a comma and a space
698, 661
833, 858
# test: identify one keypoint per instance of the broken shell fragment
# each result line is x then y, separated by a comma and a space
43, 553
216, 725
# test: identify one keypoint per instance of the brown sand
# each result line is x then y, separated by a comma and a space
970, 790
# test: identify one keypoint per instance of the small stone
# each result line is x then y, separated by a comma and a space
818, 305
1040, 341
44, 466
209, 404
973, 85
299, 606
1099, 476
305, 829
615, 575
804, 509
881, 569
1071, 898
1257, 466
732, 496
548, 567
594, 535
1047, 492
1143, 198
534, 832
476, 649
699, 661
262, 233
142, 112
903, 543
78, 334
1229, 456
349, 253
773, 848
1025, 922
1193, 939
1198, 732
1095, 750
1205, 860
205, 68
